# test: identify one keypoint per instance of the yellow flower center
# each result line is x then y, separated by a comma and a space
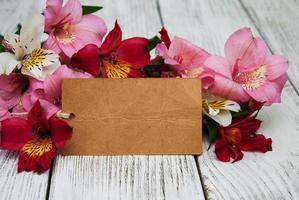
117, 69
253, 79
64, 34
35, 59
37, 147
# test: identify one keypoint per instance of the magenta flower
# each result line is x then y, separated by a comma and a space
247, 72
68, 29
11, 90
186, 59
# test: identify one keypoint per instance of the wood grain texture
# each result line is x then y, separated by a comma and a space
24, 185
13, 185
278, 23
136, 18
127, 177
274, 175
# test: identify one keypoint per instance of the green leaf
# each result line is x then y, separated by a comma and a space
152, 43
212, 127
243, 112
2, 49
90, 9
18, 29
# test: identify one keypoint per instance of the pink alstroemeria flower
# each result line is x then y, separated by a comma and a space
11, 90
247, 71
49, 92
68, 29
186, 59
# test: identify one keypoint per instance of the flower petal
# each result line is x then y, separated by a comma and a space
189, 55
112, 40
223, 152
134, 51
220, 65
37, 117
36, 155
34, 93
161, 50
241, 47
31, 32
60, 131
276, 66
90, 30
92, 25
8, 63
120, 69
223, 117
4, 114
248, 126
52, 10
14, 44
70, 13
228, 89
257, 143
52, 84
51, 44
15, 132
87, 59
165, 37
40, 63
269, 93
11, 89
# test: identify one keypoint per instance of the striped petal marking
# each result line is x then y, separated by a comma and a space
117, 69
37, 147
253, 79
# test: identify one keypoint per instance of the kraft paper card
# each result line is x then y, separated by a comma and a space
133, 116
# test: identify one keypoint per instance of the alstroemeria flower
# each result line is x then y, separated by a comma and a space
26, 53
48, 92
36, 139
68, 29
247, 71
116, 58
219, 109
241, 136
186, 58
11, 90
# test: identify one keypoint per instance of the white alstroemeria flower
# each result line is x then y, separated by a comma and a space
219, 109
26, 52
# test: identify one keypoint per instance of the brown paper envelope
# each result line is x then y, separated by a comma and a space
133, 116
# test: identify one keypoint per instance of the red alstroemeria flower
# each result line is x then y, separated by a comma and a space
116, 58
165, 37
36, 139
240, 136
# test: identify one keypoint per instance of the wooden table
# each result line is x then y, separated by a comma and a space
274, 175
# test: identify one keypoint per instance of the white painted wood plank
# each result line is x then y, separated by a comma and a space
127, 177
13, 185
278, 22
23, 185
274, 175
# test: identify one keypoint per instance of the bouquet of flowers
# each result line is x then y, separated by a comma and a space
235, 86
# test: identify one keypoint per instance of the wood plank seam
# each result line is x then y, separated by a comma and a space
264, 38
50, 179
204, 189
159, 12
